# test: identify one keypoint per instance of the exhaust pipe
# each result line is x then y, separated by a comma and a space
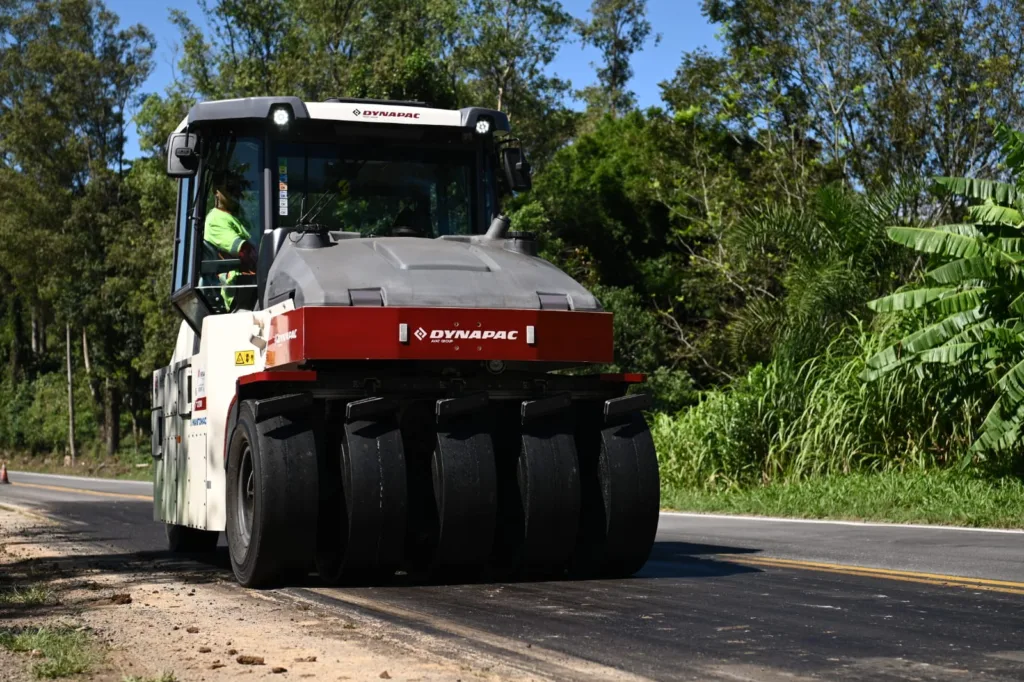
498, 227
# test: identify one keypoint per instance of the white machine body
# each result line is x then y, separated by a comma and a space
192, 400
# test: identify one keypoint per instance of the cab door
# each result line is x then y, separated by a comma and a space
209, 278
187, 233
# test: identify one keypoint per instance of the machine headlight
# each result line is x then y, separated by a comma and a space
483, 126
282, 117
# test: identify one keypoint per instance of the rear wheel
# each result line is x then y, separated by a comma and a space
271, 498
185, 540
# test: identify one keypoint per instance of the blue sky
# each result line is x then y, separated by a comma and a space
678, 21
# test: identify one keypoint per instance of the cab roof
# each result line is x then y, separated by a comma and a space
347, 110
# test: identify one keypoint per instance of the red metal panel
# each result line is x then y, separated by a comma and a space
365, 333
302, 375
627, 378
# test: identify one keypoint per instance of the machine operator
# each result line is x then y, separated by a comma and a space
228, 236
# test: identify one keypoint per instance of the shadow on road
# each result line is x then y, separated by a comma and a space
690, 560
136, 543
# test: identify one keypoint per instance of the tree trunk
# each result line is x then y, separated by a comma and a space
111, 417
88, 364
71, 393
35, 331
133, 411
17, 336
135, 432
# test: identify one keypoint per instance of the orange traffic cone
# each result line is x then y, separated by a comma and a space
3, 473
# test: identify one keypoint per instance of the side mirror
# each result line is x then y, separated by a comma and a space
182, 155
517, 169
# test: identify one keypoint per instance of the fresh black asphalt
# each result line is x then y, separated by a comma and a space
702, 608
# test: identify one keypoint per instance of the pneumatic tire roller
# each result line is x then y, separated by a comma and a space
376, 380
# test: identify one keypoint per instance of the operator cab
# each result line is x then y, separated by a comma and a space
255, 172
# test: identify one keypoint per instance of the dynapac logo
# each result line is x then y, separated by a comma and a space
386, 114
284, 337
452, 335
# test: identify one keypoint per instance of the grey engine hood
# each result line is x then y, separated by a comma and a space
420, 273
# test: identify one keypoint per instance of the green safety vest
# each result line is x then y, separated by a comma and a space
226, 233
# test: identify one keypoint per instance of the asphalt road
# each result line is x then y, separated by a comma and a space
721, 598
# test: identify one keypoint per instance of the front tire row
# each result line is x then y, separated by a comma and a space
566, 495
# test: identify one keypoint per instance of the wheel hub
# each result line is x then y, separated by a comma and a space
246, 494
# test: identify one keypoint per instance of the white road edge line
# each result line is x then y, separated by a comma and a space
725, 517
868, 524
66, 477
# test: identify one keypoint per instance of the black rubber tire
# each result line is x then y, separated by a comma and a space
332, 519
369, 508
549, 487
538, 490
423, 527
621, 498
185, 540
272, 515
506, 554
465, 496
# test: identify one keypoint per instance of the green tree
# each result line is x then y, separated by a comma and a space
888, 89
68, 75
449, 53
318, 49
618, 29
509, 45
637, 204
809, 266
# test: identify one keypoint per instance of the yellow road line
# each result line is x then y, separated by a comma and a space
889, 571
64, 489
1004, 586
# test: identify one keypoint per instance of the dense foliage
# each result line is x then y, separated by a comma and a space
971, 300
737, 230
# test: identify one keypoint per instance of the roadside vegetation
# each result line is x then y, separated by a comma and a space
929, 497
62, 651
32, 595
124, 465
810, 245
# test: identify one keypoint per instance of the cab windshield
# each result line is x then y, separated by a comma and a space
375, 190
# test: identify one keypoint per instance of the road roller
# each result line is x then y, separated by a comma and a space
375, 374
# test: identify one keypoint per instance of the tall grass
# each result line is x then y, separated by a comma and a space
937, 496
788, 420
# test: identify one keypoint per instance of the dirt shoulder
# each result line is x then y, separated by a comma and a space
147, 616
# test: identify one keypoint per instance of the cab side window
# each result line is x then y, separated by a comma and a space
183, 235
232, 190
